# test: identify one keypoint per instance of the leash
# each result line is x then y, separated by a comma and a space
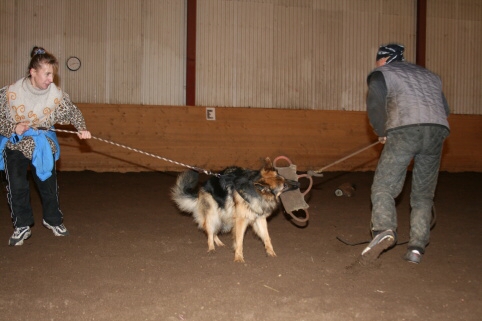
294, 200
318, 172
362, 242
433, 221
197, 169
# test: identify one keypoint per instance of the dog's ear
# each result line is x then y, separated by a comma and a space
268, 165
262, 188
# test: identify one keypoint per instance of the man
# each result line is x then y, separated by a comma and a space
408, 111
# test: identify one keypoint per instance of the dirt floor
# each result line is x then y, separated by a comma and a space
132, 255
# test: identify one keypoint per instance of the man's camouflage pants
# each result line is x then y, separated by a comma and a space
423, 144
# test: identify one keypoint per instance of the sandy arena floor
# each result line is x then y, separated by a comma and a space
133, 256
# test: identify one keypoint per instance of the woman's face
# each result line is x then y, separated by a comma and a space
42, 77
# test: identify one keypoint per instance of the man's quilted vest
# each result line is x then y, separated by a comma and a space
414, 96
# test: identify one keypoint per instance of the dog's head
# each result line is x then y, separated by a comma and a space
272, 182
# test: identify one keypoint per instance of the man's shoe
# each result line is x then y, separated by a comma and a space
381, 242
20, 234
413, 256
58, 230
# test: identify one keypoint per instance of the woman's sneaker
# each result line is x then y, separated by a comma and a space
20, 234
381, 242
58, 230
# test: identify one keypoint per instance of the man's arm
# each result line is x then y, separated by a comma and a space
446, 105
376, 102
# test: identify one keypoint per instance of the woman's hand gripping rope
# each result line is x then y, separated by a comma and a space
84, 134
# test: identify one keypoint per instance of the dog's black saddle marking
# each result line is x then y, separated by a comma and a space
230, 179
215, 187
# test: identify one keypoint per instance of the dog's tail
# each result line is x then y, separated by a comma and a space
184, 192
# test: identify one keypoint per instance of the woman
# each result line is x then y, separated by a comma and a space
28, 109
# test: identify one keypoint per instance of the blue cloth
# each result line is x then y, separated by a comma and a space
42, 154
3, 142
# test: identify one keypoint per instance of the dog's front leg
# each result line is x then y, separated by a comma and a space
260, 227
239, 230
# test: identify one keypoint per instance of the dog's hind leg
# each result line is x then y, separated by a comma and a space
239, 229
211, 227
218, 241
260, 227
212, 237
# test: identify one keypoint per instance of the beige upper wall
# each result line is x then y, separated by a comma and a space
303, 54
132, 51
294, 54
454, 46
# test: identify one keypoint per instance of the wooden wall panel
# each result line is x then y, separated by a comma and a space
242, 137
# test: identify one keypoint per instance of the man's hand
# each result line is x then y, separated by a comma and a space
382, 140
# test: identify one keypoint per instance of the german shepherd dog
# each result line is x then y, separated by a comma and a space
237, 198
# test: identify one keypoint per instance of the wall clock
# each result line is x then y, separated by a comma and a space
73, 63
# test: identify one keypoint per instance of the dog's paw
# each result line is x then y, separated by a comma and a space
271, 253
211, 250
238, 258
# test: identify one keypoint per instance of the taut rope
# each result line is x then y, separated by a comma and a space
197, 169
